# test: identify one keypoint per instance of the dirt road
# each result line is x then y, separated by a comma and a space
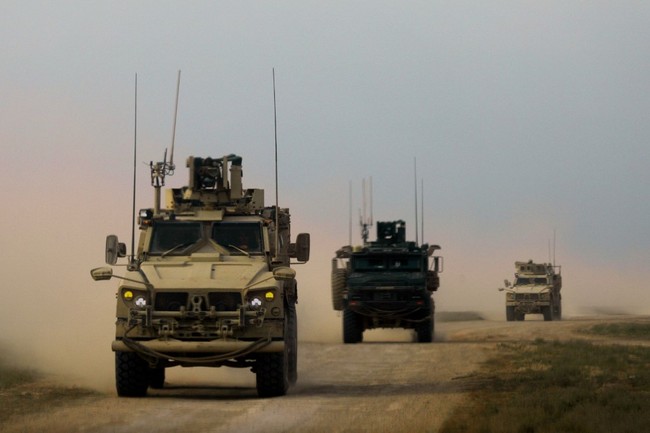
382, 385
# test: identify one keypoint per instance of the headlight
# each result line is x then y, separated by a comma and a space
510, 296
261, 299
132, 297
255, 303
141, 301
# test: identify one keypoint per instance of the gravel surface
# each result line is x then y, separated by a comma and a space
386, 384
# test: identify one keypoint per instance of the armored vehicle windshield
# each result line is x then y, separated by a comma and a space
174, 237
523, 281
238, 238
381, 263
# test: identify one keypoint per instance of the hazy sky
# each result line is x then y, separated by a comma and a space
525, 117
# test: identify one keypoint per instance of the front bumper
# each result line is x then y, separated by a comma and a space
528, 307
213, 346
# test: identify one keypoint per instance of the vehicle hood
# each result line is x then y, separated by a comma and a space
208, 275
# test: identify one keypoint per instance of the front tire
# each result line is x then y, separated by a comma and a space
131, 374
291, 340
352, 327
548, 313
272, 374
339, 282
558, 310
510, 314
424, 331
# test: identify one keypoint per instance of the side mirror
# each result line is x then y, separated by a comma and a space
284, 274
114, 249
101, 274
438, 264
507, 283
432, 249
301, 247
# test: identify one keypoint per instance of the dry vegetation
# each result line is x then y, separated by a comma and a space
571, 386
527, 386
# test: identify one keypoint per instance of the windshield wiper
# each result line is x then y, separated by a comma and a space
174, 248
239, 249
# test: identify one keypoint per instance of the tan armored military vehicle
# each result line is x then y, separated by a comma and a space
210, 284
536, 290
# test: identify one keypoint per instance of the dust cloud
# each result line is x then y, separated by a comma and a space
57, 320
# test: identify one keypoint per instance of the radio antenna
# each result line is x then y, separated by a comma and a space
422, 207
364, 220
277, 207
135, 154
171, 156
162, 169
350, 213
415, 179
553, 247
371, 218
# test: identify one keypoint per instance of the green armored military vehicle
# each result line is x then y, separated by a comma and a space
386, 284
536, 290
210, 283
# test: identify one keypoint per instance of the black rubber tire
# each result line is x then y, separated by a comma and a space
352, 327
558, 311
510, 314
548, 313
157, 378
131, 375
339, 283
291, 340
520, 317
272, 374
424, 331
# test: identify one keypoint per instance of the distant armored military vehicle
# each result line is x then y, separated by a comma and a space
536, 290
210, 283
386, 284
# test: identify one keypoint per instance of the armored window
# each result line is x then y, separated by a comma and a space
405, 263
174, 237
369, 263
238, 238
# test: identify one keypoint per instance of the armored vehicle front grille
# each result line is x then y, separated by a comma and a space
225, 301
170, 301
173, 301
384, 296
526, 296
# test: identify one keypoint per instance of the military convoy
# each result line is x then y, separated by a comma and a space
536, 290
387, 283
209, 285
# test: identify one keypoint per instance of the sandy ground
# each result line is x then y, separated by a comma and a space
385, 384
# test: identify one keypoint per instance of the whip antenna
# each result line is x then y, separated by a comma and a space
162, 169
135, 153
415, 178
422, 207
350, 213
277, 208
553, 247
171, 156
